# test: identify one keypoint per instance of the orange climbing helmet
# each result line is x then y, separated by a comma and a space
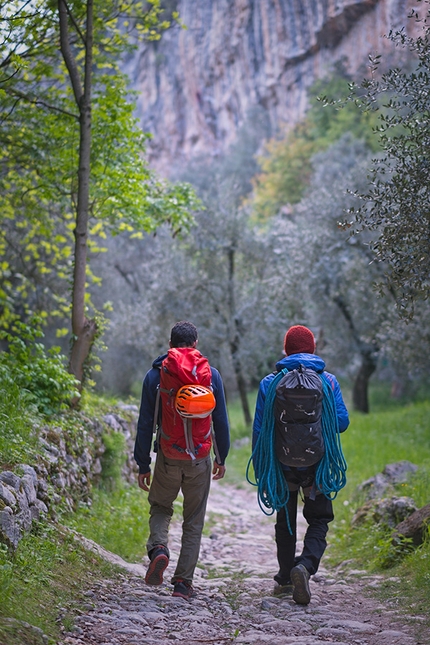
195, 401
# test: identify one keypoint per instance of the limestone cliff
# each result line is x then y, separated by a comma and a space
196, 85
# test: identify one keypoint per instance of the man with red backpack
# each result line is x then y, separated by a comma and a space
182, 397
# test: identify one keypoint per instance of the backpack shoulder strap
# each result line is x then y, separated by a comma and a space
155, 424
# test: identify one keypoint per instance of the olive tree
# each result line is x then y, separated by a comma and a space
358, 324
395, 204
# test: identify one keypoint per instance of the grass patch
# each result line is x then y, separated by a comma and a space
238, 428
43, 583
117, 520
371, 442
241, 442
236, 463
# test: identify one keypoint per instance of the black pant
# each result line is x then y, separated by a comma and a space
318, 513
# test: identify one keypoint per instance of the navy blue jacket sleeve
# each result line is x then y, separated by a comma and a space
145, 424
220, 418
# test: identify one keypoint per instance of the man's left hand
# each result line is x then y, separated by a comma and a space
218, 471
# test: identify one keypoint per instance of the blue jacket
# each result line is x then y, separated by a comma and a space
293, 362
145, 424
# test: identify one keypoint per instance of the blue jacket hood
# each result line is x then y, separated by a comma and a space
294, 361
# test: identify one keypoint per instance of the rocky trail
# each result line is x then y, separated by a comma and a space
235, 602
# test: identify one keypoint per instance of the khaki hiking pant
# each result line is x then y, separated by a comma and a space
193, 478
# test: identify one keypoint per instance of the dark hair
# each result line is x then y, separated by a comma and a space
183, 334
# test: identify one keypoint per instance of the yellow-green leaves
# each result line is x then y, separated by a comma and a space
39, 150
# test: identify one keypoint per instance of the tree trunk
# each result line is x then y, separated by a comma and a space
369, 360
83, 330
235, 336
360, 396
241, 386
244, 400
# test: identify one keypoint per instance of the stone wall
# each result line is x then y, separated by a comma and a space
68, 465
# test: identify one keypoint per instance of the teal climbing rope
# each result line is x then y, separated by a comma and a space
330, 477
272, 488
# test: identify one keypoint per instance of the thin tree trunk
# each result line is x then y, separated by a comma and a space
240, 379
235, 336
83, 329
241, 385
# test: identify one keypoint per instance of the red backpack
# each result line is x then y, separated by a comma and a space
181, 437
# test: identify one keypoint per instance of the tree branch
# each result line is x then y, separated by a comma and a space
6, 116
37, 101
75, 24
66, 51
5, 80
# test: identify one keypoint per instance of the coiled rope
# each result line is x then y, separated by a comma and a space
330, 477
273, 493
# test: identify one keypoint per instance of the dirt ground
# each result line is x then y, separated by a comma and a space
235, 601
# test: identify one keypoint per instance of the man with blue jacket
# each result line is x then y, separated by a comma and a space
295, 570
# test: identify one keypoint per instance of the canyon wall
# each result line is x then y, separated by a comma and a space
196, 85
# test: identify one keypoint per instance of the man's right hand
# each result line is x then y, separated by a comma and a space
144, 480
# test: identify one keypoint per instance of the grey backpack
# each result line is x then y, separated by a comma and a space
297, 410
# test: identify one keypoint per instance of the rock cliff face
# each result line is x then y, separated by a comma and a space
196, 85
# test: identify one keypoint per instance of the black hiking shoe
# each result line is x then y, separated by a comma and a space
280, 590
183, 589
157, 566
300, 579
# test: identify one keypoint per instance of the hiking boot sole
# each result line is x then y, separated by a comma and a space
300, 580
154, 575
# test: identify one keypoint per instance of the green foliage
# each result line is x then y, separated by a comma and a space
40, 143
329, 120
43, 583
396, 205
241, 441
40, 374
286, 165
286, 171
388, 552
113, 459
118, 520
18, 438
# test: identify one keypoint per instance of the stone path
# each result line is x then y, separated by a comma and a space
234, 603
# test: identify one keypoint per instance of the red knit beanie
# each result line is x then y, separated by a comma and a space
298, 340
